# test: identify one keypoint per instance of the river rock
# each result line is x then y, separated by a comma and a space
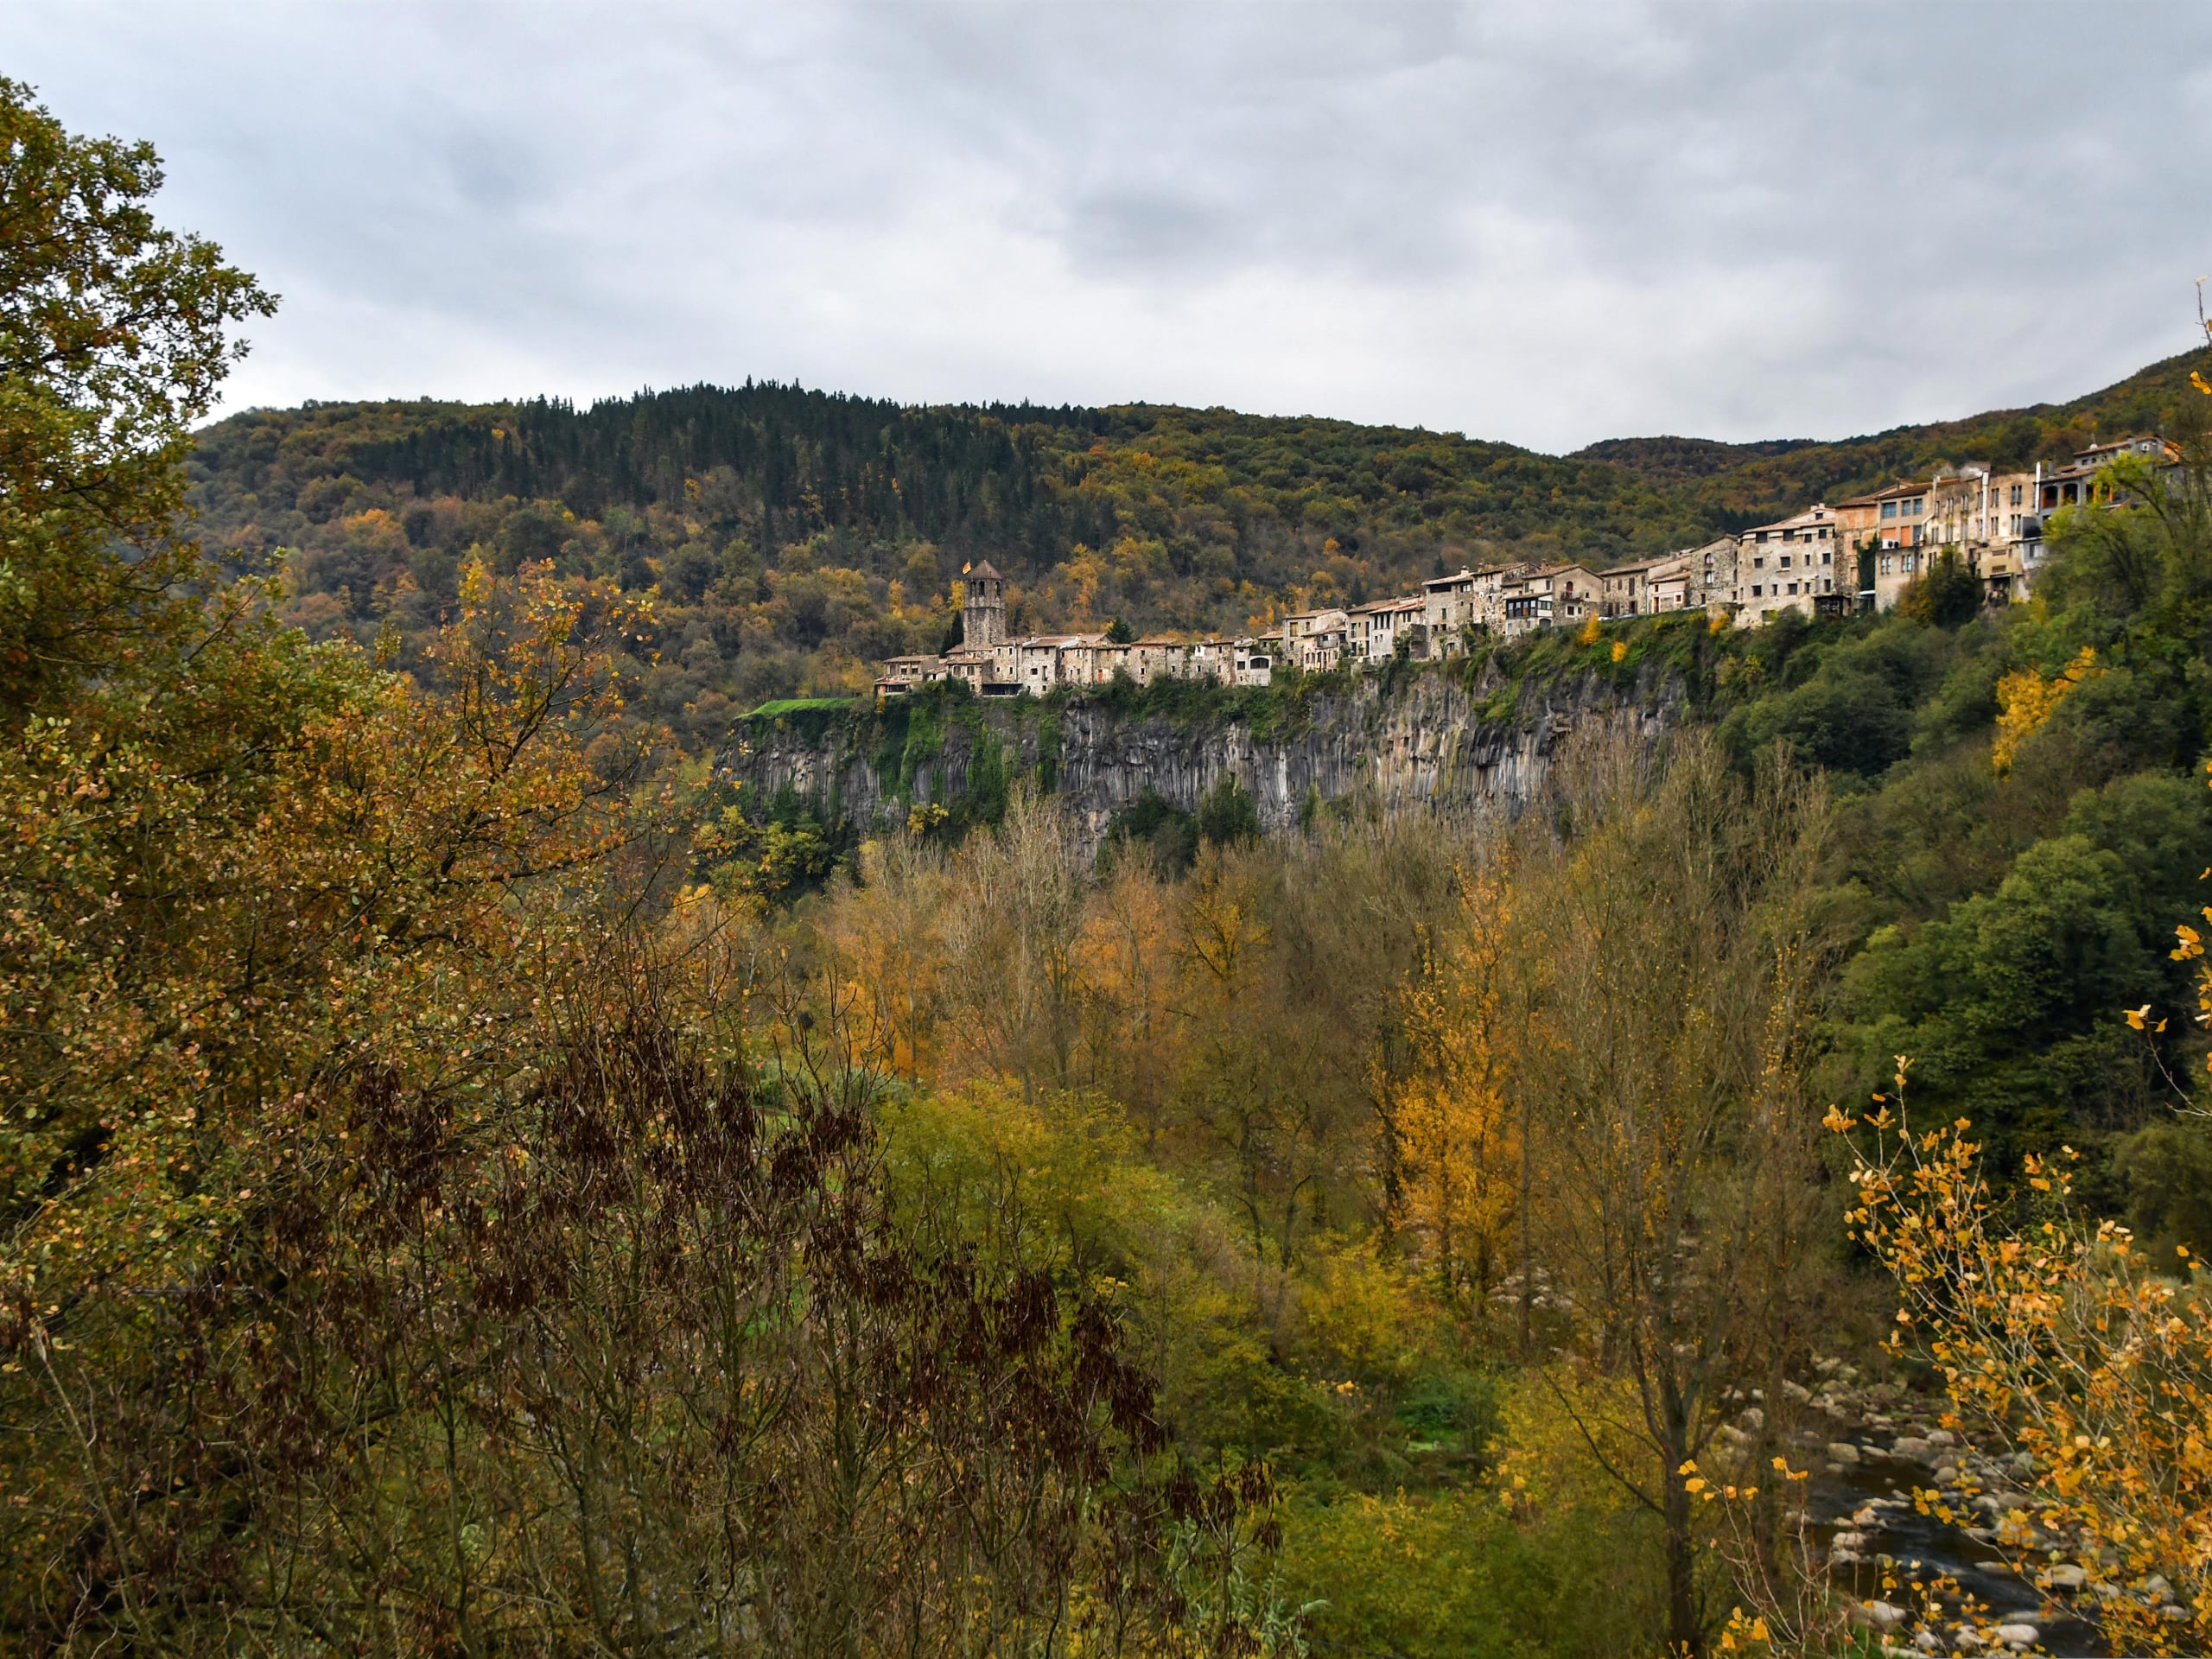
2067, 1577
2018, 1636
1842, 1452
1880, 1615
1912, 1445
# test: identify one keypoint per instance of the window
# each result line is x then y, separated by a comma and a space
1785, 561
1911, 563
1793, 587
1758, 563
1889, 509
1755, 590
1887, 564
1827, 557
2016, 495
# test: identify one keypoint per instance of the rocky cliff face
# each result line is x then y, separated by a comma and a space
1426, 743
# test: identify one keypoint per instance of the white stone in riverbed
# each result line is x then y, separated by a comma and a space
1882, 1615
1912, 1445
1842, 1452
2018, 1636
1941, 1437
2067, 1577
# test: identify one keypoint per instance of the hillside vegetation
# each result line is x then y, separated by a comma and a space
472, 1183
797, 537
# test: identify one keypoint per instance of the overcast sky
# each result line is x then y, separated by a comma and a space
1538, 221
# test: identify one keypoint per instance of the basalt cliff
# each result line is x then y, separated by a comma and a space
1431, 740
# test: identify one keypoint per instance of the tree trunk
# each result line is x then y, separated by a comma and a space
1685, 1638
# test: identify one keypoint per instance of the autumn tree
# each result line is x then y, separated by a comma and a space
1130, 972
1676, 1215
887, 935
1458, 1142
400, 1250
113, 340
2058, 1334
1013, 924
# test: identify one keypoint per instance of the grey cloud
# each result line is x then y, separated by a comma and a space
1548, 223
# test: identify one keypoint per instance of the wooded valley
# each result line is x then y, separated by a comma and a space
477, 1184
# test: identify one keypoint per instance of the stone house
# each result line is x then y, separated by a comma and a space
1983, 518
1377, 628
1883, 532
1552, 595
1447, 606
1791, 565
1320, 640
1625, 590
1251, 663
1469, 599
902, 674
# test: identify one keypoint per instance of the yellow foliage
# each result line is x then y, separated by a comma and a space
884, 936
1458, 1144
1591, 632
2026, 700
403, 844
1549, 1463
1361, 1313
2067, 1340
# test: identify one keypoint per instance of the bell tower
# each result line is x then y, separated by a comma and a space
983, 607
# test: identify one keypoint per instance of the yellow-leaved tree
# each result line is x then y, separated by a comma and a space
1459, 1143
2060, 1338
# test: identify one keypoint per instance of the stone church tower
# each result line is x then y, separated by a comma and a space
982, 608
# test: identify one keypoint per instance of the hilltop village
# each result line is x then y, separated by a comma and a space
1859, 555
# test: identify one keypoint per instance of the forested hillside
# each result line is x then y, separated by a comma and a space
797, 537
473, 1182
